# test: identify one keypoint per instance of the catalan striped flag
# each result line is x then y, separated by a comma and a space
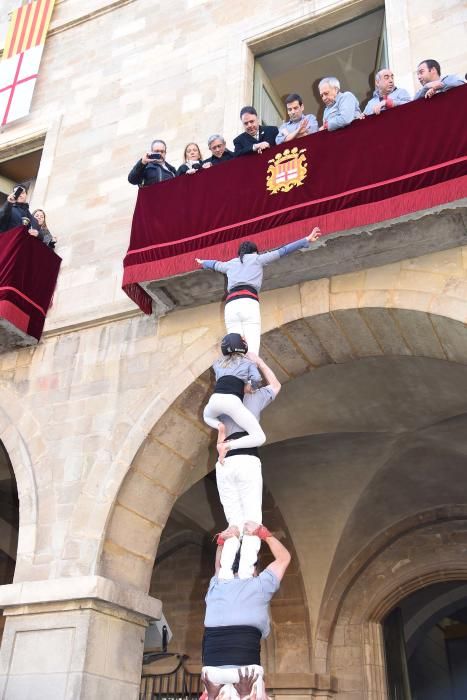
21, 58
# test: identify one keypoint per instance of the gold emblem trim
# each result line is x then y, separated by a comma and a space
286, 170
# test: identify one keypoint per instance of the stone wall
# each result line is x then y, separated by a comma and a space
99, 104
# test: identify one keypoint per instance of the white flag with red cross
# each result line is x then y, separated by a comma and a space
21, 58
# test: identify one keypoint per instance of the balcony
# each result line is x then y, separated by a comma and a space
28, 275
383, 189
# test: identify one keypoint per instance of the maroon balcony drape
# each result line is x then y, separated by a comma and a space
408, 158
28, 275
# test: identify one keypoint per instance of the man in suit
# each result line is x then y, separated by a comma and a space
255, 138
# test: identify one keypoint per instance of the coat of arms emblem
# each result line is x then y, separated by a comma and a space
286, 170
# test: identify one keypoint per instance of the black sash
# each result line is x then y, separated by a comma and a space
233, 645
253, 451
230, 385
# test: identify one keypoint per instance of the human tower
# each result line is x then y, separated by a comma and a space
237, 601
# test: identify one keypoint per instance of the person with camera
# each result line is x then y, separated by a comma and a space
152, 167
15, 212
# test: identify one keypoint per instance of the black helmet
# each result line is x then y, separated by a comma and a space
233, 342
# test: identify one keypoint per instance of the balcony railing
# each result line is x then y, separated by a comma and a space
410, 158
28, 275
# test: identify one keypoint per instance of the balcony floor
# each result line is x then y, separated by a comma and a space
410, 236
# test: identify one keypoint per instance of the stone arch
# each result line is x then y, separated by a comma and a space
176, 452
424, 549
11, 435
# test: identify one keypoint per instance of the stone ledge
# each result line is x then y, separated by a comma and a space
80, 588
410, 236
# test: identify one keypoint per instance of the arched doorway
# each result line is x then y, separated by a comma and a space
373, 403
426, 644
9, 522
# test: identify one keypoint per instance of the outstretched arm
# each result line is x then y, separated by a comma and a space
273, 255
215, 265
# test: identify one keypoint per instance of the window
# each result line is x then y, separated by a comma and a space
352, 52
19, 164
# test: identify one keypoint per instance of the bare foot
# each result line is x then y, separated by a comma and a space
222, 449
221, 433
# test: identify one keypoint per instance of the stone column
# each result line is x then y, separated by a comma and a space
73, 638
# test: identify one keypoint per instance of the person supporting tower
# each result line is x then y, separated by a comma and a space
233, 372
237, 616
240, 482
244, 280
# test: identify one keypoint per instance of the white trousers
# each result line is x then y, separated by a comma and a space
240, 486
232, 406
228, 676
243, 316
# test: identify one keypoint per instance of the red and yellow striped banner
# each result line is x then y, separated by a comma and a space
27, 27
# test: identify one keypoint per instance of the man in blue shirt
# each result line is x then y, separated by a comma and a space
299, 124
429, 76
341, 108
386, 94
237, 614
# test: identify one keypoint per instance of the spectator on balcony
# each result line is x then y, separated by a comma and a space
386, 94
237, 614
220, 153
152, 167
43, 234
429, 76
244, 280
193, 160
341, 108
299, 124
15, 212
256, 138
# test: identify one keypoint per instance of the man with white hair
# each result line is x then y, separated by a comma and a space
341, 108
220, 154
386, 94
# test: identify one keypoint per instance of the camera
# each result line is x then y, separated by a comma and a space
154, 156
196, 165
18, 190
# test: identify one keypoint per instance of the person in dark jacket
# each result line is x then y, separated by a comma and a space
152, 167
192, 160
220, 154
256, 138
15, 212
44, 234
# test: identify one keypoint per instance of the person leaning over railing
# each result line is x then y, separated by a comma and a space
341, 108
220, 154
299, 124
386, 94
15, 212
152, 167
257, 137
429, 76
192, 160
43, 234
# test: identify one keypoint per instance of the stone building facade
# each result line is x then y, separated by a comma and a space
101, 422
